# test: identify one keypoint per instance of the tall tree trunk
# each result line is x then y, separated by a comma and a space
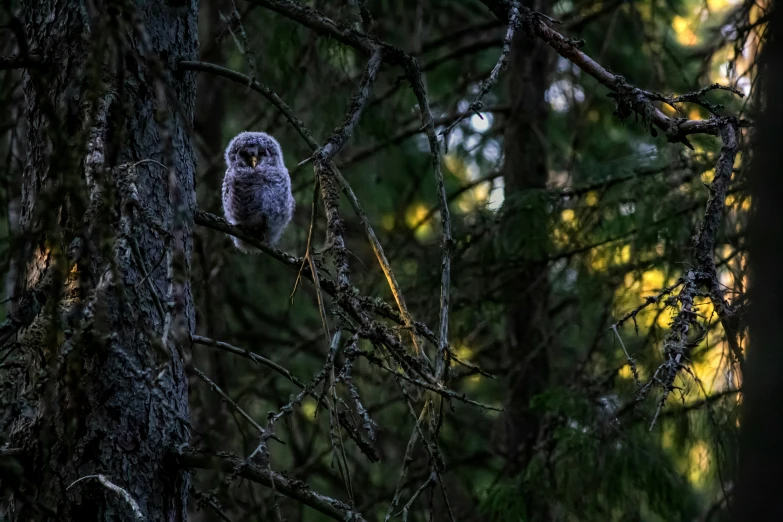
524, 232
761, 440
108, 195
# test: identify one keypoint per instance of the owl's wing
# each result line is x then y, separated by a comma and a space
228, 196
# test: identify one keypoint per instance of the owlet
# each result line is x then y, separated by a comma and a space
257, 188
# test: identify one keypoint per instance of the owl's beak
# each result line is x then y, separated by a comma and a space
253, 161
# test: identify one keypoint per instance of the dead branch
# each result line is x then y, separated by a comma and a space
290, 487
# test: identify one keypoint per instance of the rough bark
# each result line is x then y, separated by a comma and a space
524, 233
104, 389
761, 452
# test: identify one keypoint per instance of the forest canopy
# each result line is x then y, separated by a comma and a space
515, 285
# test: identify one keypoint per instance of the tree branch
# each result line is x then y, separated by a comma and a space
679, 341
323, 25
447, 243
359, 307
365, 447
638, 100
290, 487
262, 89
486, 86
338, 140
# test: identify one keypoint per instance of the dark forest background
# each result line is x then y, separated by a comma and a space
592, 368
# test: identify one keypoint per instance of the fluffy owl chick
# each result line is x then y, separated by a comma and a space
257, 187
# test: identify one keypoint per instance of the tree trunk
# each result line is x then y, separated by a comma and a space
105, 390
524, 232
761, 439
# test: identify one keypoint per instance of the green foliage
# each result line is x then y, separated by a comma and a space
600, 470
612, 227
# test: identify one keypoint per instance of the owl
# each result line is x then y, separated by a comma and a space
257, 188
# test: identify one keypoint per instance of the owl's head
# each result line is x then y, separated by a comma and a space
253, 149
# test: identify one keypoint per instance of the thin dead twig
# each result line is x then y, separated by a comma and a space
233, 404
117, 489
477, 104
447, 243
290, 487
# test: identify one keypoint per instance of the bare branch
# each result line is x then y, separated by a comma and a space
325, 170
632, 98
209, 500
352, 303
678, 343
363, 445
231, 403
406, 462
265, 91
323, 25
704, 246
447, 243
407, 132
382, 260
338, 140
123, 493
486, 86
428, 483
290, 487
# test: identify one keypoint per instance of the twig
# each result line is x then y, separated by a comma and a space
231, 403
249, 355
428, 483
447, 243
486, 86
676, 343
211, 501
351, 352
631, 360
265, 91
382, 260
695, 97
325, 171
308, 258
341, 136
365, 447
109, 485
409, 131
655, 299
704, 245
323, 25
290, 487
437, 388
406, 462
